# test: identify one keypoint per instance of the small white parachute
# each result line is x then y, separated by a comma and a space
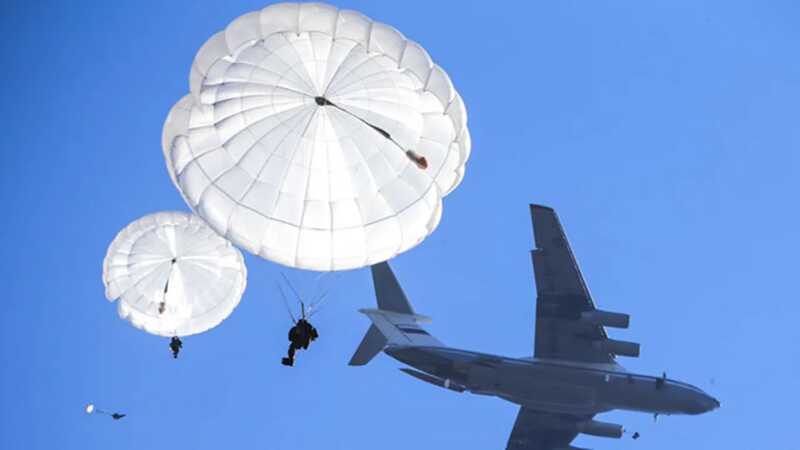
89, 408
317, 138
172, 275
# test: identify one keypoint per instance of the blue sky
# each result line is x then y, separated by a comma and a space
664, 133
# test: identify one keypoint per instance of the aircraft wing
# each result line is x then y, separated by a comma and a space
536, 430
568, 326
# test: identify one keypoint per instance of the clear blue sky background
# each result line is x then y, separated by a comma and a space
664, 133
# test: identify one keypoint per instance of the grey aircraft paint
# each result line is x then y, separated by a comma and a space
573, 375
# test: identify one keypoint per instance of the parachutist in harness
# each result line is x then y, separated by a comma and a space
302, 334
175, 345
117, 416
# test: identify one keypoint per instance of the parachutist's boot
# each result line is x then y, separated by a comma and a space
287, 362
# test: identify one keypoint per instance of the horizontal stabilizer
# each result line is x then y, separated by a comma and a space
447, 384
401, 329
371, 345
394, 323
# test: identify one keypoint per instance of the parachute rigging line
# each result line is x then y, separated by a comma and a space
417, 159
163, 305
286, 303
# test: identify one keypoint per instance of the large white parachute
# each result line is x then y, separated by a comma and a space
317, 138
172, 275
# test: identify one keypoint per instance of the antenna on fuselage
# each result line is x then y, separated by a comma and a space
661, 381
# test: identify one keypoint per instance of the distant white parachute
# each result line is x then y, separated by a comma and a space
317, 138
172, 275
91, 409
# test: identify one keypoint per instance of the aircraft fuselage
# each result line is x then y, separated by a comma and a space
554, 386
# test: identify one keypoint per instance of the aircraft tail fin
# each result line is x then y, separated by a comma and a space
394, 322
388, 292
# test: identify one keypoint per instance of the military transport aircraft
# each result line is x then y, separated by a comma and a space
573, 374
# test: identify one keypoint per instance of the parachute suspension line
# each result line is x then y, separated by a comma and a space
416, 158
163, 305
286, 303
297, 294
321, 276
316, 304
306, 312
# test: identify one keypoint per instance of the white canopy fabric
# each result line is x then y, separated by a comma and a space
173, 275
317, 138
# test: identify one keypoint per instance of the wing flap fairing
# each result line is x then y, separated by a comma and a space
621, 348
606, 318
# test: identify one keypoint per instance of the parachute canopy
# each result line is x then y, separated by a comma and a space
317, 138
173, 275
89, 408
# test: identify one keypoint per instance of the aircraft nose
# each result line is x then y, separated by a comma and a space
704, 404
711, 403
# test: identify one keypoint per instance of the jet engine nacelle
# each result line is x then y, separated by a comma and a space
622, 348
602, 429
606, 318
